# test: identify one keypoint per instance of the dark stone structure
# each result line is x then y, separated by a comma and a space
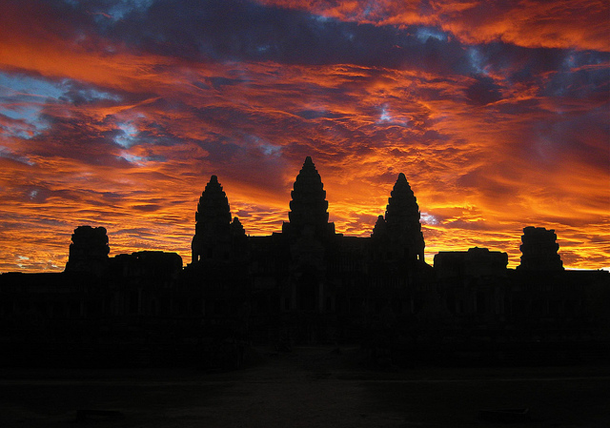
539, 250
308, 216
399, 234
88, 251
217, 239
309, 283
305, 284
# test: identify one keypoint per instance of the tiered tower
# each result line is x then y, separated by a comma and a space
539, 250
214, 232
88, 251
400, 232
308, 209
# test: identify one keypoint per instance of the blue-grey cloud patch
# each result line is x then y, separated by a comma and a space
8, 155
22, 85
79, 94
241, 30
22, 101
76, 138
245, 30
579, 83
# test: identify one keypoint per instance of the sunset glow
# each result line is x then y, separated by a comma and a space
116, 113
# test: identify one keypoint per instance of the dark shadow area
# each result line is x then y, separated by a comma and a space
308, 386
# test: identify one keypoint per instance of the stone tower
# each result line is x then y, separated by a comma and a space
399, 234
212, 240
88, 251
308, 208
539, 250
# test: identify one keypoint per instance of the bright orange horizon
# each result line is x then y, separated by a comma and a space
117, 114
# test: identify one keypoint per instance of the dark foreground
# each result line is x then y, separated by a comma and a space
308, 387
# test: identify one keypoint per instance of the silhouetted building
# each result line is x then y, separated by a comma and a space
306, 283
475, 263
474, 284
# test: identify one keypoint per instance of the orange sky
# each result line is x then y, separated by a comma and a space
117, 113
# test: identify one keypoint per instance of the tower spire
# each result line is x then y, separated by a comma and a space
308, 207
213, 217
402, 226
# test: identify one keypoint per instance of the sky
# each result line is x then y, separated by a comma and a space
116, 113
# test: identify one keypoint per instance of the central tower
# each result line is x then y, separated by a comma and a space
308, 214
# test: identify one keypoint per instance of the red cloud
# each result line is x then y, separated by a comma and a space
529, 23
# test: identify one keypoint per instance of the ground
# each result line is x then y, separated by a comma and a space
307, 387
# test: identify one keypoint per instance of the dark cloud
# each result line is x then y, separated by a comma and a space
519, 107
148, 208
580, 136
74, 139
579, 83
483, 91
316, 114
487, 182
243, 30
220, 149
217, 82
239, 30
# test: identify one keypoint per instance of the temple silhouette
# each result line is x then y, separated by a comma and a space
305, 284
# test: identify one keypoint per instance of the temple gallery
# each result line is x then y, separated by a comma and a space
307, 284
